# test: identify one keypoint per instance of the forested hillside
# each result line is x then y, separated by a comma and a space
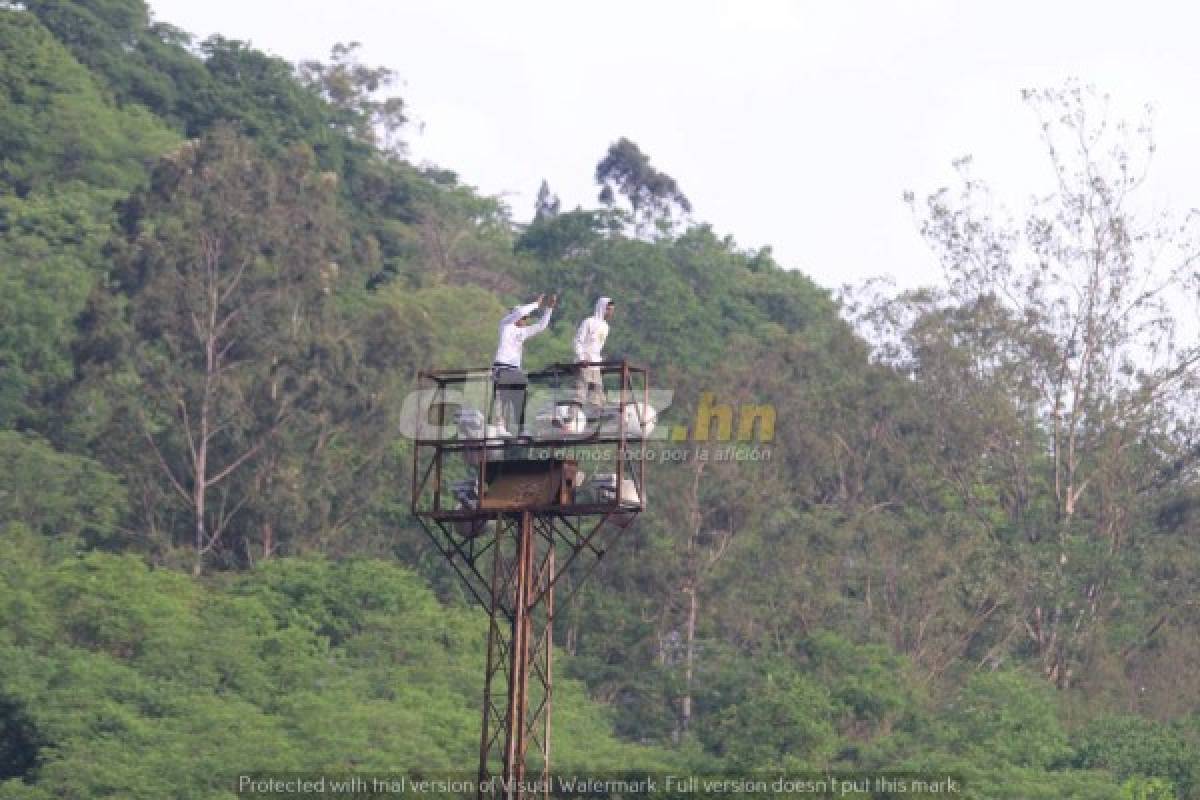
972, 549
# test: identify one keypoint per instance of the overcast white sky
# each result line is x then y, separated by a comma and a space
794, 124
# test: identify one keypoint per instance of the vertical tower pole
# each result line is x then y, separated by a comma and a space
518, 675
518, 680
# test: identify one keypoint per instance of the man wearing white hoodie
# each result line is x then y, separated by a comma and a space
589, 342
515, 327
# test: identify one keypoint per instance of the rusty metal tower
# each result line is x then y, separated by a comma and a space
514, 514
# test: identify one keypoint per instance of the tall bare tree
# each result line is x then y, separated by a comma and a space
1071, 314
229, 267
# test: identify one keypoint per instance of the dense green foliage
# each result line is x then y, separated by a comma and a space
121, 680
218, 279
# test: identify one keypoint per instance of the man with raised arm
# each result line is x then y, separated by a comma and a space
516, 326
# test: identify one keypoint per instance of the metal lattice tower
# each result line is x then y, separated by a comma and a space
521, 516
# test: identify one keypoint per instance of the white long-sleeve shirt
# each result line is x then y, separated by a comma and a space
589, 338
512, 336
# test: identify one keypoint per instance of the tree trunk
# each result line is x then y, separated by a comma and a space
689, 660
198, 510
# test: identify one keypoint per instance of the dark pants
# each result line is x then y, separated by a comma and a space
510, 384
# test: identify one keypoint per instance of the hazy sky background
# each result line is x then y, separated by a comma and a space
793, 124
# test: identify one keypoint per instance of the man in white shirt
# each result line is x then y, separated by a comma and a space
589, 342
510, 381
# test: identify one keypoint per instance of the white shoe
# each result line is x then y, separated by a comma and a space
497, 432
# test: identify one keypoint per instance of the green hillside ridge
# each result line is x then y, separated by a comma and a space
905, 585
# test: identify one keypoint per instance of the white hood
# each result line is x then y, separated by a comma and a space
589, 339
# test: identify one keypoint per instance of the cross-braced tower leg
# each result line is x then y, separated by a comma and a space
518, 684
